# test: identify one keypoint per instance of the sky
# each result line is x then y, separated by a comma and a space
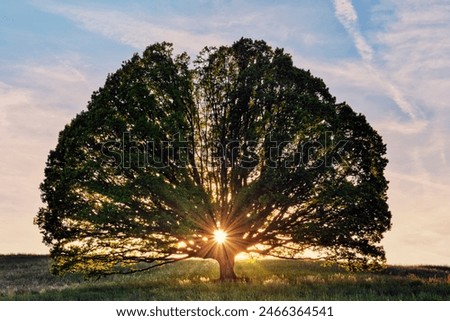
388, 59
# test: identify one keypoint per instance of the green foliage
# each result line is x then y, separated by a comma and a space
27, 278
241, 139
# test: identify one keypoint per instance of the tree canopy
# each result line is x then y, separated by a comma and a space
236, 151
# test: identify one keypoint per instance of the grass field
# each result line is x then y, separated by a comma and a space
26, 277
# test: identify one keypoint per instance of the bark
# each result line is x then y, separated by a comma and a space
226, 265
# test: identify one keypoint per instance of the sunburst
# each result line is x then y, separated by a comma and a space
220, 236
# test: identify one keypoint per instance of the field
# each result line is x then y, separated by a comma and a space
26, 277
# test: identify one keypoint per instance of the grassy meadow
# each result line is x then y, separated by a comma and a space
27, 277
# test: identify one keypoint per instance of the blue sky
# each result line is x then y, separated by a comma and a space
390, 60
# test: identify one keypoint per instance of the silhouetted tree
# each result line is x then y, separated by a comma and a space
239, 141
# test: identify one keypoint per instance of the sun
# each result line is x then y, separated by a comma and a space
220, 236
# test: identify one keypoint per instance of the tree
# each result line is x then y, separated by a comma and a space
239, 151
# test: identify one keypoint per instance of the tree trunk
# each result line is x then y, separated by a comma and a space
226, 265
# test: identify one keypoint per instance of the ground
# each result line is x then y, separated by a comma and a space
26, 277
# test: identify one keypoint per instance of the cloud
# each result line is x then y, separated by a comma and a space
345, 12
347, 16
416, 51
60, 72
422, 181
136, 30
23, 117
409, 128
217, 24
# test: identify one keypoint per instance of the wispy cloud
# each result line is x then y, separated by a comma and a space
348, 17
416, 54
135, 31
346, 14
416, 50
276, 23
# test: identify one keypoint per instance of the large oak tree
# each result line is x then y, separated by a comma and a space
238, 151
